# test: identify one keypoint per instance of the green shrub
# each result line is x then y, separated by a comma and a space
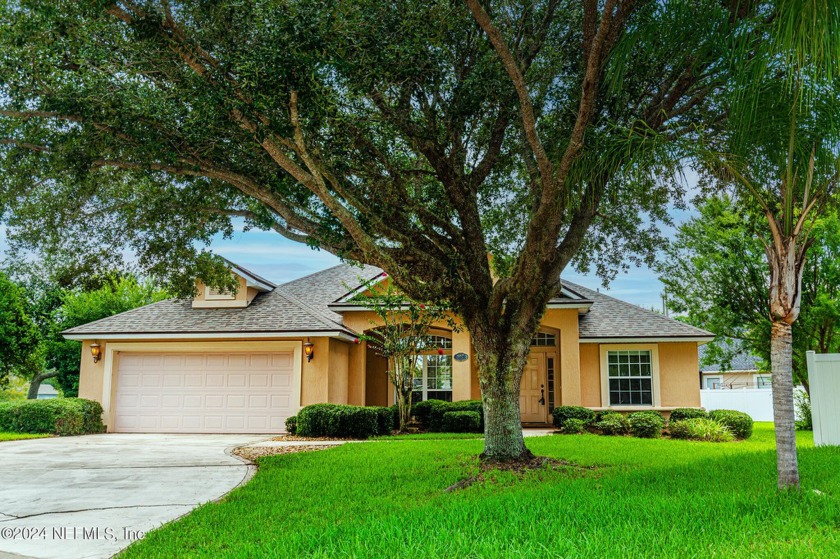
338, 421
291, 425
687, 413
700, 429
59, 416
803, 409
562, 414
739, 423
613, 424
573, 426
430, 413
461, 422
646, 424
387, 419
422, 410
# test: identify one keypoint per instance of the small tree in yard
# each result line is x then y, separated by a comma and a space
401, 338
417, 136
781, 151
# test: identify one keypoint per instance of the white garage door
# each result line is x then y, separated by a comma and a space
204, 392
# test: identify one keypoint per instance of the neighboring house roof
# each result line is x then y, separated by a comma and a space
612, 318
303, 305
742, 359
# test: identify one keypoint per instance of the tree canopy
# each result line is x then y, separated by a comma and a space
715, 274
417, 136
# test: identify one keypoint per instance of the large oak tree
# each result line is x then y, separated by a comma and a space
417, 136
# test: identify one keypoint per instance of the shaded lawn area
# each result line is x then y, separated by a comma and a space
651, 498
21, 436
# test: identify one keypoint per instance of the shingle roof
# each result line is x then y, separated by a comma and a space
275, 311
742, 359
302, 305
609, 317
324, 287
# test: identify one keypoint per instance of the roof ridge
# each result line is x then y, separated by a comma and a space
342, 264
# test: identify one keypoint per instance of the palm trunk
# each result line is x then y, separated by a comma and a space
785, 296
781, 358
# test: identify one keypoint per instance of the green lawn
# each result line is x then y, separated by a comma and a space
21, 436
658, 498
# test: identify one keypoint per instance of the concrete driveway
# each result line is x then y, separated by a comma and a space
81, 497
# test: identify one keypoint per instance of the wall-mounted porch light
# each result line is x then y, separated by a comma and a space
309, 350
95, 352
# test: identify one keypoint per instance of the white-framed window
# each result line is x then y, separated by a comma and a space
212, 294
712, 382
762, 381
630, 375
433, 377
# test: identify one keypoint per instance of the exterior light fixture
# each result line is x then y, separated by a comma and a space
95, 352
309, 350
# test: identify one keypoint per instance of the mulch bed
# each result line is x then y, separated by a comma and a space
251, 453
296, 438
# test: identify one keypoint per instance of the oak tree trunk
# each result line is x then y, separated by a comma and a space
35, 383
500, 368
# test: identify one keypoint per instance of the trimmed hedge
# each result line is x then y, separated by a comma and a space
291, 425
388, 419
59, 416
646, 424
613, 424
430, 413
340, 421
574, 426
562, 414
461, 422
680, 414
700, 429
739, 423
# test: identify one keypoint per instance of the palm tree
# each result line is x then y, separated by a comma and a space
782, 151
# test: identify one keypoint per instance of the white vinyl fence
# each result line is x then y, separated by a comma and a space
756, 402
824, 376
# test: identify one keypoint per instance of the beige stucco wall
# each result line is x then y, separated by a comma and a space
590, 375
678, 381
90, 373
678, 374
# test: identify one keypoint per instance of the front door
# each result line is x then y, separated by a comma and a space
532, 393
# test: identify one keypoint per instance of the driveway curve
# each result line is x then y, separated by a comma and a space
89, 497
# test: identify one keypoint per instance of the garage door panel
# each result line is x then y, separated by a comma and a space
209, 392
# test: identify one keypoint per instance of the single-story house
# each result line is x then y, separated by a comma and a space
741, 371
244, 362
